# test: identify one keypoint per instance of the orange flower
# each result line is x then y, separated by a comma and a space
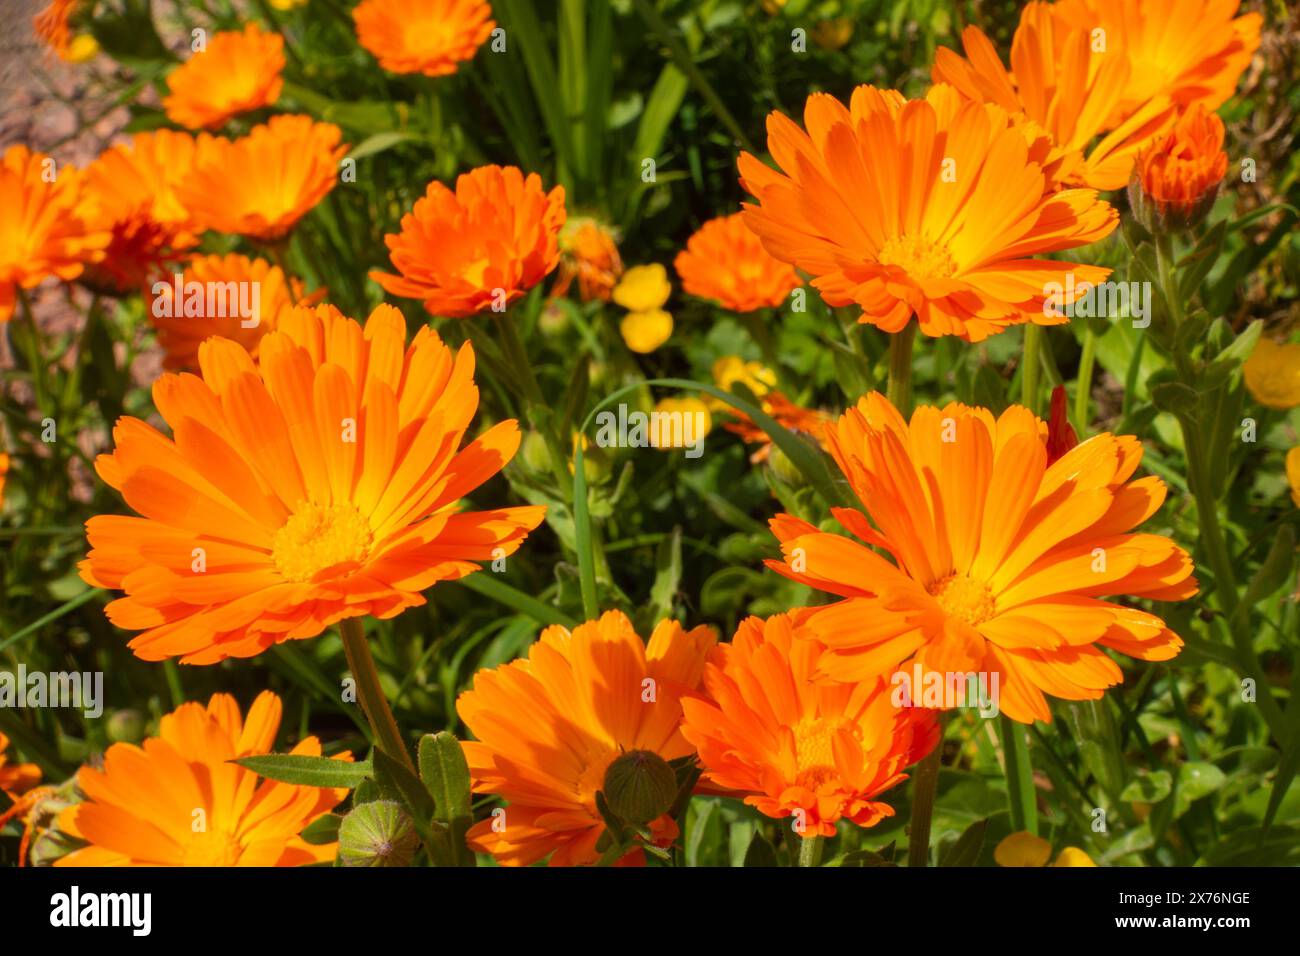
261, 184
318, 484
236, 73
51, 26
589, 254
131, 191
768, 727
930, 207
1187, 51
1064, 85
1180, 172
432, 37
43, 231
550, 726
1002, 561
4, 473
481, 247
144, 808
184, 322
725, 262
15, 778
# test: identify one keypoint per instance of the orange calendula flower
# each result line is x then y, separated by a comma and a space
478, 248
236, 72
1186, 51
770, 728
131, 191
930, 207
1064, 81
261, 184
201, 302
43, 230
53, 25
432, 37
1003, 563
4, 473
1179, 172
725, 262
552, 728
1272, 374
140, 809
15, 778
589, 254
319, 483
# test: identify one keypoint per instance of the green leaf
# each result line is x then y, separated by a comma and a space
524, 29
1148, 787
378, 143
668, 575
324, 829
966, 851
308, 771
491, 586
761, 853
1196, 780
445, 773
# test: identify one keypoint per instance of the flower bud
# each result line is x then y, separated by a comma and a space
1178, 174
640, 786
377, 834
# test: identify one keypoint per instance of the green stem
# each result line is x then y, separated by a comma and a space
899, 389
371, 694
516, 356
1031, 367
1020, 776
925, 783
1084, 386
810, 851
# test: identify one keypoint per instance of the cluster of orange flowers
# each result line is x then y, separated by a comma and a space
316, 466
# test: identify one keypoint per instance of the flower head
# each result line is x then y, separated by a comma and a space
643, 288
53, 25
550, 726
432, 37
932, 208
261, 184
480, 247
643, 332
767, 726
141, 808
236, 72
679, 423
1065, 82
186, 319
1179, 172
4, 473
43, 229
761, 381
316, 484
15, 778
725, 262
131, 191
1182, 51
589, 254
1272, 374
1001, 562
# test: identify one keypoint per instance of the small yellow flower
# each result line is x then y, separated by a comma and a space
1293, 473
82, 48
646, 331
1022, 849
1273, 374
773, 7
679, 422
755, 376
1073, 856
833, 34
1025, 849
288, 4
643, 288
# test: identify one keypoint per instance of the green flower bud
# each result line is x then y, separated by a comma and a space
377, 834
126, 726
535, 454
640, 786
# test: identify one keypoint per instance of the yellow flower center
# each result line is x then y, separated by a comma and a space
814, 748
964, 598
212, 848
918, 257
319, 536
